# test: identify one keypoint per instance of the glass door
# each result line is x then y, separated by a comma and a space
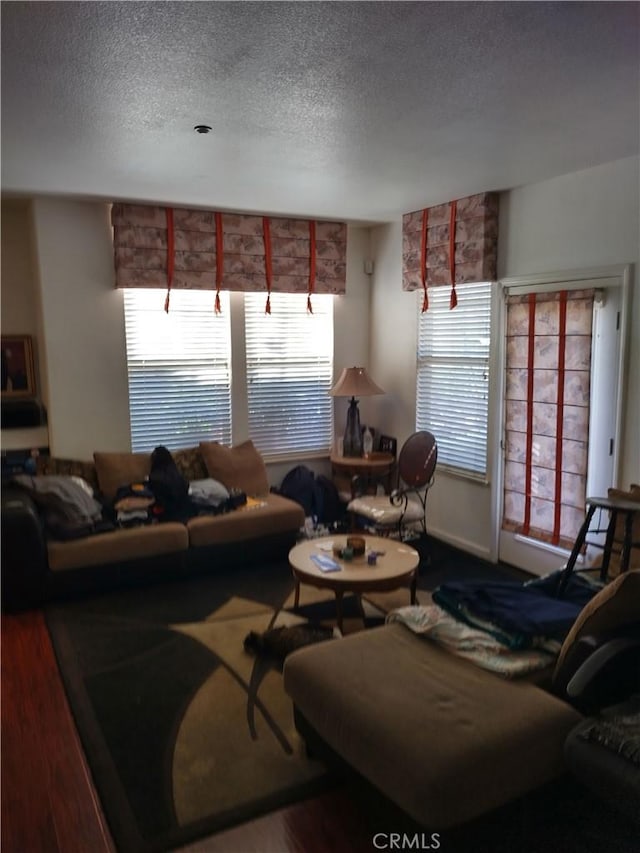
560, 413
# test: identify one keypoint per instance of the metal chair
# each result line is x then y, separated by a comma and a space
406, 505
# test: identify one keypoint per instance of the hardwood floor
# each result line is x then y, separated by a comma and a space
49, 803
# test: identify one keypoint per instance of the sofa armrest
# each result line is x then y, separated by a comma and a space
609, 672
24, 551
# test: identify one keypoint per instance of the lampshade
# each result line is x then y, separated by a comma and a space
355, 382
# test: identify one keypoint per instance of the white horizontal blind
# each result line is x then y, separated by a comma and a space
179, 368
453, 374
289, 371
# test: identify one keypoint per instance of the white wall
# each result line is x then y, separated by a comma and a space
83, 321
20, 308
585, 219
393, 337
19, 313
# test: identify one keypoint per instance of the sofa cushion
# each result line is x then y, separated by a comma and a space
615, 606
442, 738
120, 469
273, 514
240, 467
117, 546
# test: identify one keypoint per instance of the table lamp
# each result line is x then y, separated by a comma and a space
354, 382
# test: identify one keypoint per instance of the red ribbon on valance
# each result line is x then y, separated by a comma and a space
267, 260
423, 258
452, 254
170, 255
531, 342
219, 260
562, 346
312, 263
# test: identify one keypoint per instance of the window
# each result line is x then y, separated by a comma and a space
453, 374
289, 360
179, 367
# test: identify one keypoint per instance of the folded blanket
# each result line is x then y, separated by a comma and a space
70, 498
580, 589
519, 616
475, 645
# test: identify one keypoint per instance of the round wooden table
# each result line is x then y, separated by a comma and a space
397, 565
372, 469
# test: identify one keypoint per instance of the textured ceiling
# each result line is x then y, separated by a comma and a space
359, 111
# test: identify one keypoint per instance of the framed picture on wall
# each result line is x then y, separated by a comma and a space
18, 371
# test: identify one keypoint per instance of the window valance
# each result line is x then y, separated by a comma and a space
158, 246
450, 244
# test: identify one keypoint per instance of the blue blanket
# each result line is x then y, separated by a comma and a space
518, 615
578, 589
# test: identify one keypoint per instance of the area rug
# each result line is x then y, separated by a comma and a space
185, 731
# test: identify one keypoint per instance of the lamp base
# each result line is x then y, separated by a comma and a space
353, 433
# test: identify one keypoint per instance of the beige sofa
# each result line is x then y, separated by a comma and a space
440, 737
37, 566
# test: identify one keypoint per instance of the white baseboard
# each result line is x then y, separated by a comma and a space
462, 544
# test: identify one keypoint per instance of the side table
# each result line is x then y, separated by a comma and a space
374, 468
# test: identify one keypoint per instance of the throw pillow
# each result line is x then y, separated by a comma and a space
190, 463
240, 467
120, 469
52, 466
615, 606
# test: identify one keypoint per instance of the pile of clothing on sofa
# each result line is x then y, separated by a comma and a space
71, 509
167, 495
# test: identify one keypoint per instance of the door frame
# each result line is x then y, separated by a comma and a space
616, 275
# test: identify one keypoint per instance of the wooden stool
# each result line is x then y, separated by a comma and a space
614, 506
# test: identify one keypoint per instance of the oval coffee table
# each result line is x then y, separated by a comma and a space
396, 566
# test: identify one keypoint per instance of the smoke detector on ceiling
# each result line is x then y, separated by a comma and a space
202, 128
